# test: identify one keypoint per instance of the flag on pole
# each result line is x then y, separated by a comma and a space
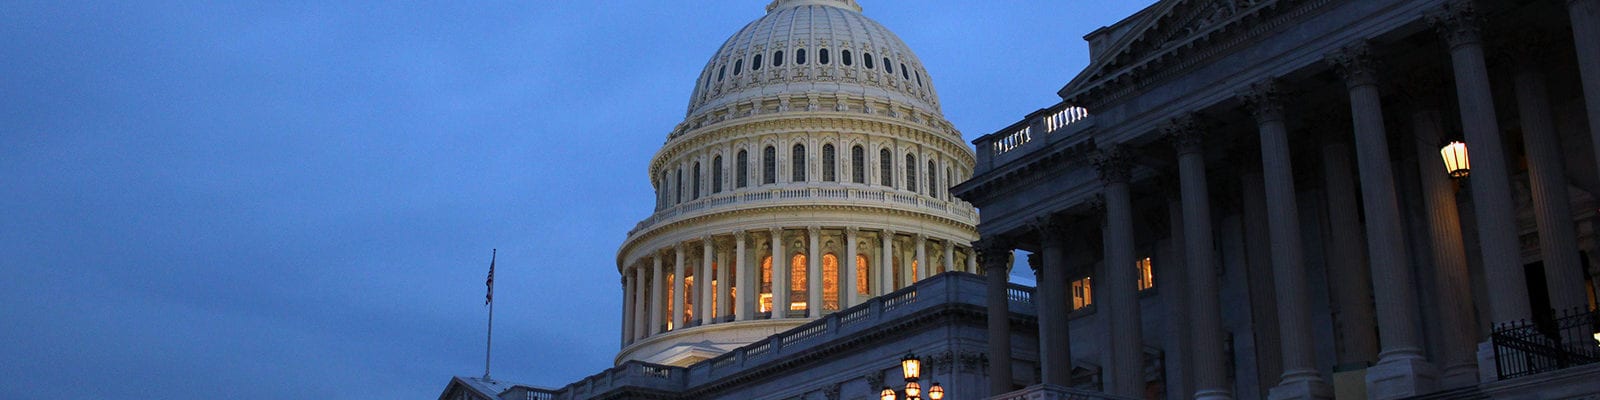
489, 298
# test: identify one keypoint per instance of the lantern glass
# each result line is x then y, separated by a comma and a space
1456, 161
911, 366
888, 394
936, 392
913, 390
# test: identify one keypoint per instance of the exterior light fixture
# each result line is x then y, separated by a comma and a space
913, 390
1456, 161
936, 392
888, 394
912, 367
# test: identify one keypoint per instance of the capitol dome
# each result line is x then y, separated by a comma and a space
811, 173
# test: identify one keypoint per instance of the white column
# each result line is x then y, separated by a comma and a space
1357, 343
1402, 371
724, 295
1126, 377
780, 276
676, 313
1174, 285
886, 267
1558, 237
658, 286
851, 298
1055, 344
1491, 184
814, 272
972, 260
749, 279
996, 267
628, 306
1452, 280
1585, 16
639, 331
702, 284
922, 256
1209, 363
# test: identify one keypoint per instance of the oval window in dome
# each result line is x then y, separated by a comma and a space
777, 58
867, 57
800, 56
903, 74
919, 78
887, 66
720, 72
738, 66
755, 64
846, 55
822, 56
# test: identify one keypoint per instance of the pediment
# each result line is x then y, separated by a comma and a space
1154, 32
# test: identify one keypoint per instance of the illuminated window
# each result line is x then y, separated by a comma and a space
1082, 293
714, 297
830, 282
915, 272
688, 296
863, 283
766, 284
797, 282
671, 288
1146, 280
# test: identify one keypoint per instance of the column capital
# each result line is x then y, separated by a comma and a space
777, 232
888, 232
813, 230
739, 235
1114, 164
1264, 100
994, 255
1036, 263
1049, 226
1458, 23
920, 237
1355, 64
1184, 133
852, 231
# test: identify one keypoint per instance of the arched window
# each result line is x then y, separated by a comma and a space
886, 168
887, 65
797, 162
830, 282
867, 57
847, 60
822, 56
828, 164
903, 74
755, 64
919, 78
858, 164
777, 58
741, 169
949, 181
696, 193
716, 174
769, 166
800, 57
797, 283
671, 288
679, 180
911, 173
738, 66
766, 284
863, 280
933, 179
720, 71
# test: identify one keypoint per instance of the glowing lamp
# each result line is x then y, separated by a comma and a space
888, 394
936, 392
913, 390
912, 367
1456, 161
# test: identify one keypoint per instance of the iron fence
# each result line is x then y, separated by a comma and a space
1525, 348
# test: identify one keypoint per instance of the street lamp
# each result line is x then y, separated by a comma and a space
1456, 161
911, 368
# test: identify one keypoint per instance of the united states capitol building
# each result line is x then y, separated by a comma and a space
1235, 199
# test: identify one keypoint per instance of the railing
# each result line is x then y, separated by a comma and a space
1523, 348
874, 194
1053, 392
1019, 294
1038, 129
1060, 119
1014, 140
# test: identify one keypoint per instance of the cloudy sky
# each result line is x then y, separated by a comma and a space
297, 199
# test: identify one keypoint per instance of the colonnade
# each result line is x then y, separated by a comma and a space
1376, 302
822, 276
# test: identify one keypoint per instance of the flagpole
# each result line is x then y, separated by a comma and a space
489, 343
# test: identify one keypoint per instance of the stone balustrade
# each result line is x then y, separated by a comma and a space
810, 196
1035, 131
1053, 392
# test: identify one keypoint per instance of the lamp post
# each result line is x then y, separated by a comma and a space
1456, 162
911, 368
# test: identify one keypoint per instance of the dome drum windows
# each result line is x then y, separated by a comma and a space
903, 73
800, 57
797, 163
769, 166
755, 63
738, 66
848, 61
716, 174
720, 72
777, 58
888, 66
742, 165
829, 167
911, 173
695, 195
858, 165
822, 56
933, 179
886, 167
867, 57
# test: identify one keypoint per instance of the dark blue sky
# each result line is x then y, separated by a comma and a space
297, 199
